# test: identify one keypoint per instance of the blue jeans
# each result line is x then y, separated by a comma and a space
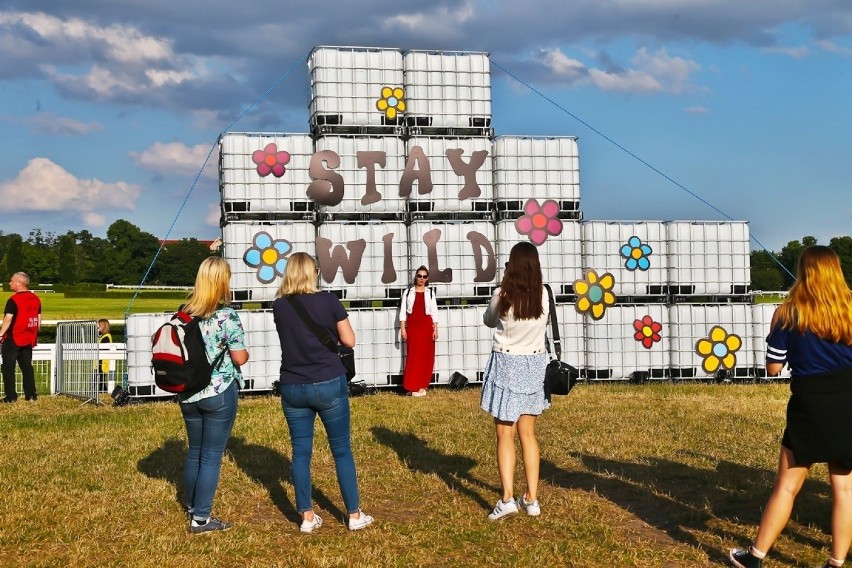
301, 404
208, 427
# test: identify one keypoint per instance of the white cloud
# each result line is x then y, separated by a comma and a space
698, 109
797, 52
49, 123
214, 214
177, 158
649, 72
832, 47
45, 186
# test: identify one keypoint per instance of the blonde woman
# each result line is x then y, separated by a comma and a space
209, 415
313, 382
811, 332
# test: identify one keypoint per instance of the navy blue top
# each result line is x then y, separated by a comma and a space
806, 353
304, 358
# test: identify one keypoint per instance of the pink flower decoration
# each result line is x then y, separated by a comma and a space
538, 222
647, 331
270, 161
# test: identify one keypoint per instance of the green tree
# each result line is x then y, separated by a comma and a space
67, 259
92, 254
179, 262
132, 251
789, 257
40, 256
14, 254
843, 247
766, 274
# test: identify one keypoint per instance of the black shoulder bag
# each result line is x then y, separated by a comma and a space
559, 377
347, 354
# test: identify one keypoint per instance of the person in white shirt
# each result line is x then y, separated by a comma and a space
513, 388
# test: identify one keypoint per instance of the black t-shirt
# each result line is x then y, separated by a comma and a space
304, 358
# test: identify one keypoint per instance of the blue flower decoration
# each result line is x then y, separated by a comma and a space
268, 255
636, 254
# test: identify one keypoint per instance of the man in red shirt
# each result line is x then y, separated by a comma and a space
19, 334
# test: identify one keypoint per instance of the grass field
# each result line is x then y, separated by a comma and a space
56, 306
645, 476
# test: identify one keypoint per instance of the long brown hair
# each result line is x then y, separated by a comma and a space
212, 288
521, 287
820, 300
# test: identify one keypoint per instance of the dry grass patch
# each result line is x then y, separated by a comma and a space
654, 475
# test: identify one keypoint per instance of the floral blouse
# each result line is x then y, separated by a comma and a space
222, 330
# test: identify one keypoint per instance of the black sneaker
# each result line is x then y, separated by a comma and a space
212, 524
32, 398
6, 399
744, 559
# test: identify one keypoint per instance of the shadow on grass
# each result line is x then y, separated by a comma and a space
271, 469
260, 463
166, 462
453, 470
678, 499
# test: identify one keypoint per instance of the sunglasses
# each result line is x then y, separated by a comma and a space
422, 276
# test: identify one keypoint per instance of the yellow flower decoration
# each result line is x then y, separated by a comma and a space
594, 293
392, 102
718, 350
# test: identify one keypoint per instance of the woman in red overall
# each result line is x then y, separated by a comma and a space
418, 327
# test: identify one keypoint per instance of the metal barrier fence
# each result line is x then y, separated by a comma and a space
44, 365
77, 359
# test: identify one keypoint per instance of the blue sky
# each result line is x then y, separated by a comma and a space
108, 110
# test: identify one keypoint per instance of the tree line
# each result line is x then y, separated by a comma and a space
124, 256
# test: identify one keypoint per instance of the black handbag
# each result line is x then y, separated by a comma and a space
559, 376
347, 354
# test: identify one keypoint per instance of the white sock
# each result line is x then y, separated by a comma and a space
756, 553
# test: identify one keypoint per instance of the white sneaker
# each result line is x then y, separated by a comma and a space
531, 507
502, 509
361, 522
309, 526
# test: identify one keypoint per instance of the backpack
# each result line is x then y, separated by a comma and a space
179, 356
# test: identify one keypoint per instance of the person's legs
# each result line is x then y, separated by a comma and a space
217, 419
530, 454
506, 457
25, 360
193, 422
841, 512
331, 399
300, 422
788, 482
10, 358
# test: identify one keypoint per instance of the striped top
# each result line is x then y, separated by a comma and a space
805, 353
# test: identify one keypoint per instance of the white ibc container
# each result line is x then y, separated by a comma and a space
363, 260
622, 249
138, 331
378, 354
761, 315
709, 257
461, 256
614, 353
689, 323
469, 190
572, 333
560, 256
256, 253
464, 343
445, 89
368, 181
249, 167
347, 82
542, 168
264, 348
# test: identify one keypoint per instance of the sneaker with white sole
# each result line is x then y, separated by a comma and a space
212, 524
309, 526
501, 509
743, 558
530, 507
361, 522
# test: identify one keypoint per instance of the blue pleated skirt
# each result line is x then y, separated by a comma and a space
514, 385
